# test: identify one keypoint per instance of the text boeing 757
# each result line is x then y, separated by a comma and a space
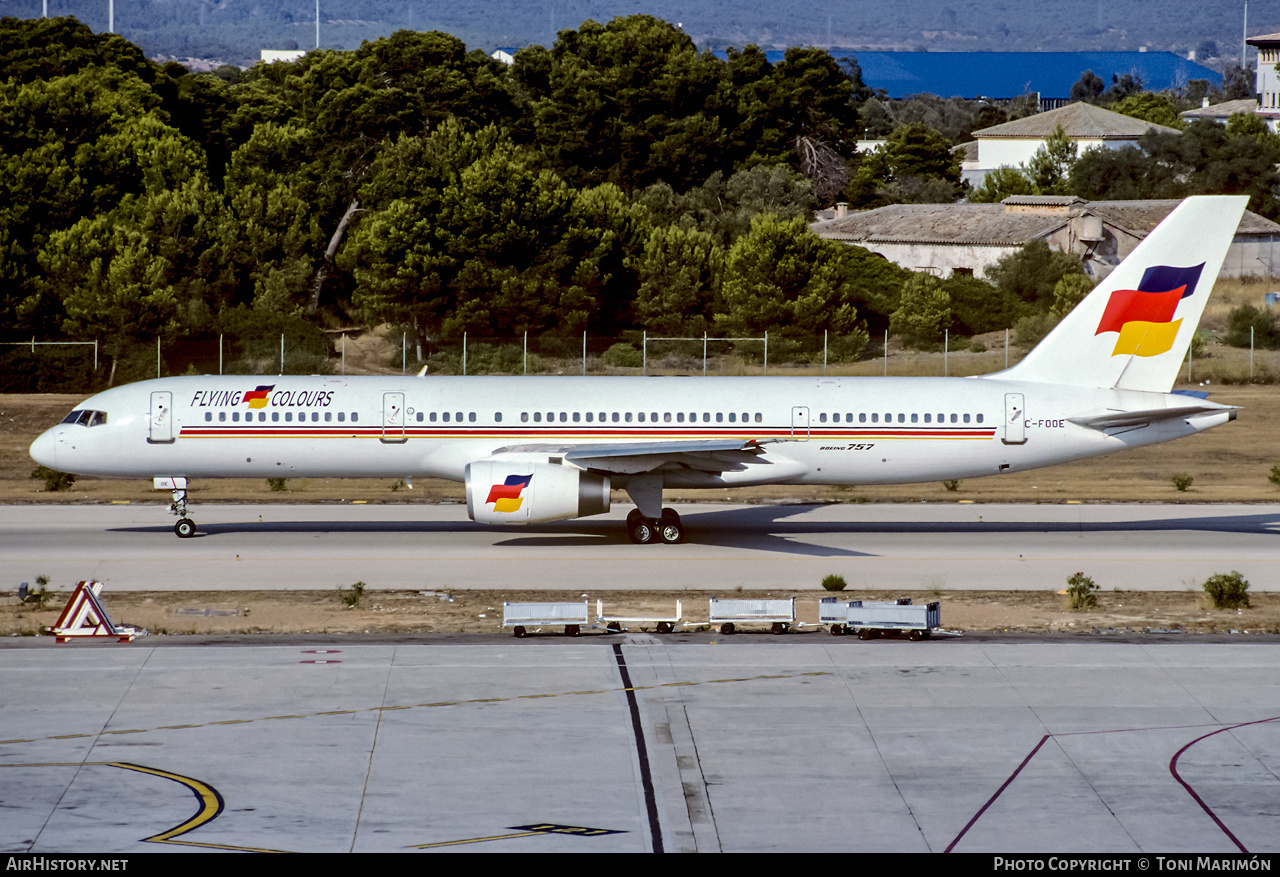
534, 449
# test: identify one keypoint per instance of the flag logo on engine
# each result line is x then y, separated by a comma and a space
506, 496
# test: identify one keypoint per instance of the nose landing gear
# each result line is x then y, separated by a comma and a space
185, 528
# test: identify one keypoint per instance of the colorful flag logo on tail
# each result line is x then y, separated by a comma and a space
258, 398
506, 496
1143, 317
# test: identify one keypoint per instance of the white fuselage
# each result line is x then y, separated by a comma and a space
813, 430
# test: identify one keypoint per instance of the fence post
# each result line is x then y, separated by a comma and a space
886, 353
824, 353
584, 353
644, 353
157, 356
946, 351
281, 353
766, 353
526, 352
344, 354
704, 353
464, 354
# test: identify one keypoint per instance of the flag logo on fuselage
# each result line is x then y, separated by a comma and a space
506, 496
1143, 317
258, 398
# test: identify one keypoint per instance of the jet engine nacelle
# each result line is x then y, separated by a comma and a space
508, 492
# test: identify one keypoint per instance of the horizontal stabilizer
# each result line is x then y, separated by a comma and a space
1121, 419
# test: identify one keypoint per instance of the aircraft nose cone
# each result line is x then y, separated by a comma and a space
44, 450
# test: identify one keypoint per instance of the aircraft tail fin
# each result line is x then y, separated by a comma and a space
1133, 330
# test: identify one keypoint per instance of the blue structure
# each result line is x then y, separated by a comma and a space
1005, 75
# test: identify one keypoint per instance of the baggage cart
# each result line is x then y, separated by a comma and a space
522, 616
779, 614
870, 619
614, 622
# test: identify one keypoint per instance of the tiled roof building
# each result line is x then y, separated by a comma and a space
947, 239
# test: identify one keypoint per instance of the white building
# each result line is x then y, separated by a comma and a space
1013, 144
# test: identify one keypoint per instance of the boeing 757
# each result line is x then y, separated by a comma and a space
535, 449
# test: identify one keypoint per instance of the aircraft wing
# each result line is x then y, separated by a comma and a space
633, 458
1130, 419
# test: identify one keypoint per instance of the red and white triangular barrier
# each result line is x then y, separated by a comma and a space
85, 616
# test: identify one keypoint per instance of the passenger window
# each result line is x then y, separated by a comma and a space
342, 416
576, 417
706, 417
497, 417
759, 417
537, 417
733, 418
563, 417
679, 417
875, 418
446, 417
902, 418
822, 418
641, 416
354, 416
458, 417
288, 417
914, 418
628, 417
235, 416
328, 416
953, 418
966, 418
719, 417
616, 418
979, 418
222, 416
653, 417
862, 417
524, 417
666, 417
275, 416
471, 417
589, 417
208, 417
927, 417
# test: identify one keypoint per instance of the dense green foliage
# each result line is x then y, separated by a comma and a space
617, 180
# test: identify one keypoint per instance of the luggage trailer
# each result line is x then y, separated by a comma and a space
871, 619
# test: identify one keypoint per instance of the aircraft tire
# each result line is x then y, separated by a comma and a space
671, 531
633, 517
185, 528
643, 532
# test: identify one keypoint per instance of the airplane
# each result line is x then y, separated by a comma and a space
538, 449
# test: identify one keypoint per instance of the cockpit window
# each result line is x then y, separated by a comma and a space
86, 417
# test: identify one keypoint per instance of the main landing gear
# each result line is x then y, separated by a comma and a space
185, 528
646, 531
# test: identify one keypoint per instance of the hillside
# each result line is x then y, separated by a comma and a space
233, 31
